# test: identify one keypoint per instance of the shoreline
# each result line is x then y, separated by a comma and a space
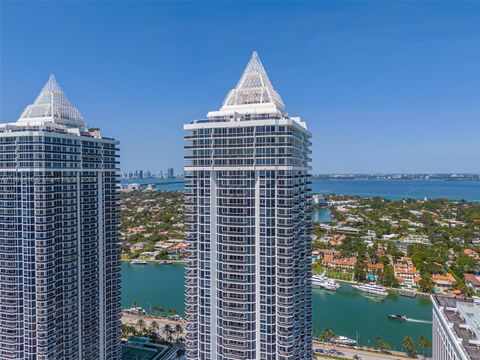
158, 262
395, 290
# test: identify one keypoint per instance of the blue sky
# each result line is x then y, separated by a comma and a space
384, 86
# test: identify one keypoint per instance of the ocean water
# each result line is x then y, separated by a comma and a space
389, 189
401, 189
346, 311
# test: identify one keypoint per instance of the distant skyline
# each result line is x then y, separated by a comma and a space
385, 87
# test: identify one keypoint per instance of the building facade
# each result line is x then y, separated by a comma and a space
248, 278
455, 328
59, 230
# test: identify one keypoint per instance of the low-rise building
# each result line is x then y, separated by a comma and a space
406, 273
443, 282
345, 264
472, 254
416, 239
472, 281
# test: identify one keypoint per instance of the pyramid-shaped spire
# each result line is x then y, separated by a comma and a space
254, 87
52, 103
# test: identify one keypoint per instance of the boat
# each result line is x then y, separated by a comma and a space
138, 262
343, 340
324, 282
136, 310
371, 288
397, 317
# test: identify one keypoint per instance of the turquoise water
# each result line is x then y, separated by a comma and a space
347, 312
389, 189
321, 215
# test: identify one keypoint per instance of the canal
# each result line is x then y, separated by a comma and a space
347, 311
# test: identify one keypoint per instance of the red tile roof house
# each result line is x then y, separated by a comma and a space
374, 270
347, 264
442, 282
472, 281
406, 273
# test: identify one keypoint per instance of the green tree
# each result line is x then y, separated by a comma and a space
178, 332
141, 323
168, 333
425, 284
388, 277
409, 345
360, 271
424, 343
327, 334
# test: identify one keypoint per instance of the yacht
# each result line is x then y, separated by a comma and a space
397, 317
136, 310
371, 288
324, 282
343, 340
138, 262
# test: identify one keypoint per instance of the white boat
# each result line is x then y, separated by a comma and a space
343, 340
138, 262
371, 288
136, 310
324, 282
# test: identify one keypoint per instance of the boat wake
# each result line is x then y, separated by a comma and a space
419, 321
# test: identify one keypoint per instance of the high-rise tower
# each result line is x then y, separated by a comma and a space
248, 286
59, 229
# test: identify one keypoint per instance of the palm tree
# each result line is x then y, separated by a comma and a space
171, 312
167, 332
424, 343
154, 325
135, 303
327, 334
125, 330
158, 311
178, 331
141, 323
382, 345
409, 345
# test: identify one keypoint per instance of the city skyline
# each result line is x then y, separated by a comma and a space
382, 96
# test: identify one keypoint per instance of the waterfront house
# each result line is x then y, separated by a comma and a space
406, 273
472, 281
345, 264
442, 282
374, 270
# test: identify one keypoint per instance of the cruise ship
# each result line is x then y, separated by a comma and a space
324, 282
371, 288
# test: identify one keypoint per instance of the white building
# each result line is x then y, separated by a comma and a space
248, 280
456, 328
59, 229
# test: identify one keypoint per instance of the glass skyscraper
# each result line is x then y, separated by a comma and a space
248, 278
59, 232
